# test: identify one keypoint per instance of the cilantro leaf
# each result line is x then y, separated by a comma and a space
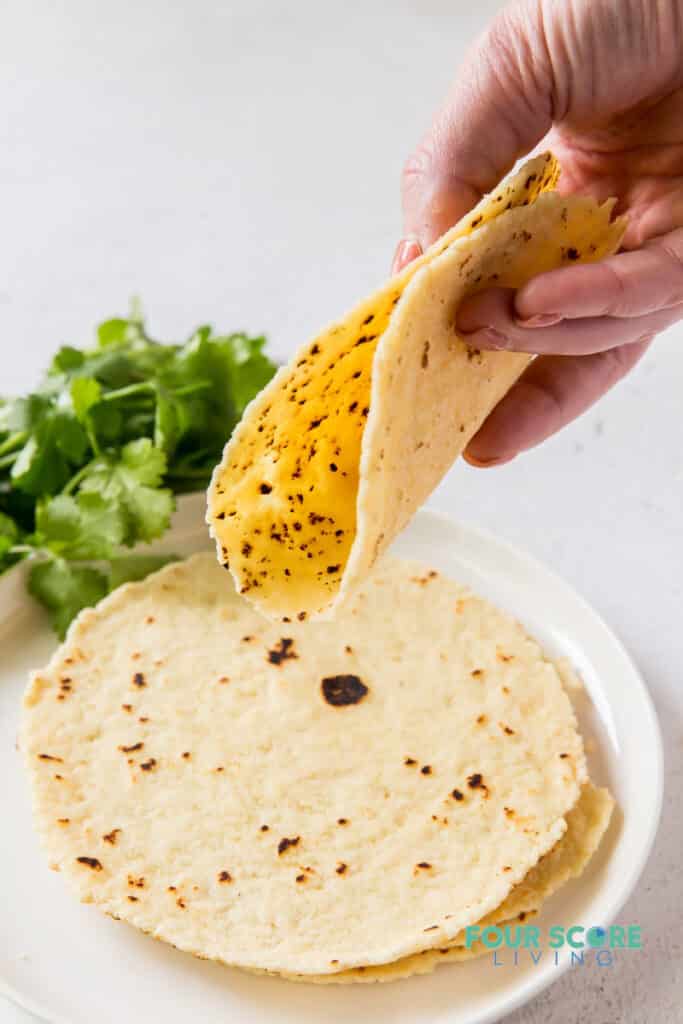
132, 483
66, 360
150, 512
83, 527
56, 442
112, 332
40, 466
65, 589
145, 463
250, 368
85, 393
22, 414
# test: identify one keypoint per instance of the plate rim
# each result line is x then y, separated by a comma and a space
187, 524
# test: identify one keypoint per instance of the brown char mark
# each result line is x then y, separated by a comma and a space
283, 651
343, 690
90, 862
286, 842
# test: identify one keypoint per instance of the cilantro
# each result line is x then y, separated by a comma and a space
90, 461
131, 483
87, 526
65, 589
85, 393
53, 443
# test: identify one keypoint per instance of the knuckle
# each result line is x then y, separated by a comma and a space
619, 302
417, 169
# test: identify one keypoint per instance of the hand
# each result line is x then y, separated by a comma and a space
601, 83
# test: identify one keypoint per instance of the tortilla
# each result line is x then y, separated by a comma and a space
333, 458
417, 963
303, 799
587, 823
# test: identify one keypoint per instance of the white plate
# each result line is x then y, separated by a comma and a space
70, 964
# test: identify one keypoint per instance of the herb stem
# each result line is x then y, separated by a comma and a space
21, 549
8, 460
75, 480
130, 389
189, 389
92, 437
15, 440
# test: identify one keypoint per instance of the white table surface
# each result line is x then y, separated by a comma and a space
239, 163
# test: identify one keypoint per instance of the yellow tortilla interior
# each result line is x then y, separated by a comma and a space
283, 503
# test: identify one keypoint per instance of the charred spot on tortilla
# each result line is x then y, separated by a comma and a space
283, 651
340, 691
90, 862
476, 781
285, 843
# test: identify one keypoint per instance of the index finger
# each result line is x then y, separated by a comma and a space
629, 284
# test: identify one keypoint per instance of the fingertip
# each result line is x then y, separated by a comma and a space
552, 296
489, 308
539, 320
529, 301
486, 462
407, 250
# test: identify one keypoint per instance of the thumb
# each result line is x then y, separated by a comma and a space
499, 107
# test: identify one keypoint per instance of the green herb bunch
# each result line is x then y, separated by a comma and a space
90, 461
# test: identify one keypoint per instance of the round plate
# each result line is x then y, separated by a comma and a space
69, 963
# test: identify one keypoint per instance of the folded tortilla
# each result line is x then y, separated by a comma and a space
334, 457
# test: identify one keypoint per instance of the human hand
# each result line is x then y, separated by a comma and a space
601, 82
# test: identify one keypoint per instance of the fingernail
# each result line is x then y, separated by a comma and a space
486, 463
539, 320
407, 250
487, 337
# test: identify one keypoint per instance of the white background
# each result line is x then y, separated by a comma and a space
239, 163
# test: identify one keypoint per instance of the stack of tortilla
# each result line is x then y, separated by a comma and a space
335, 801
331, 780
